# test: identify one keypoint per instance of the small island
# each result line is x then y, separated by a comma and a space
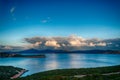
6, 55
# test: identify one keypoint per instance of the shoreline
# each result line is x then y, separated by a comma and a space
77, 74
74, 73
19, 74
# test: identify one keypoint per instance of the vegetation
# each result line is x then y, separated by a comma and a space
8, 71
68, 74
4, 55
65, 74
93, 77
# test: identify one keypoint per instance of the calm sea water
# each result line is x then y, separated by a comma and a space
60, 61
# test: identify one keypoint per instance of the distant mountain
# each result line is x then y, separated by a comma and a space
97, 51
41, 51
64, 51
30, 51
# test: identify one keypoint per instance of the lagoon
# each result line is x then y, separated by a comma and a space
61, 61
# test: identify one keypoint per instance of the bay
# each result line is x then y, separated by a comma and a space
62, 61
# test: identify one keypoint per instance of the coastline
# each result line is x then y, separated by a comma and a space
70, 74
14, 55
19, 74
97, 73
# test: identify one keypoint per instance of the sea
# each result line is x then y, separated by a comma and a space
62, 61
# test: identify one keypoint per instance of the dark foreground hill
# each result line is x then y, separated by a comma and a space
7, 72
100, 73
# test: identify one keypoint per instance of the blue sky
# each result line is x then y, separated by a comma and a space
21, 19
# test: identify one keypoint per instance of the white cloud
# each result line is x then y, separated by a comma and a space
72, 42
52, 43
48, 19
101, 44
12, 9
44, 21
97, 44
37, 43
8, 47
77, 43
91, 44
74, 37
63, 45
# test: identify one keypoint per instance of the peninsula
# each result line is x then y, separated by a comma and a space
5, 55
10, 72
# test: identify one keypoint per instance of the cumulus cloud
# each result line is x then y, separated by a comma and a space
72, 42
37, 43
91, 44
77, 43
101, 44
97, 44
52, 43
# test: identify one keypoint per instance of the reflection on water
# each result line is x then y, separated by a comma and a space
53, 63
75, 60
59, 61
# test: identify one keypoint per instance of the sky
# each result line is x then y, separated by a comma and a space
21, 19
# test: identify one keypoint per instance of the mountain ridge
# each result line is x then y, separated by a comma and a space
66, 51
